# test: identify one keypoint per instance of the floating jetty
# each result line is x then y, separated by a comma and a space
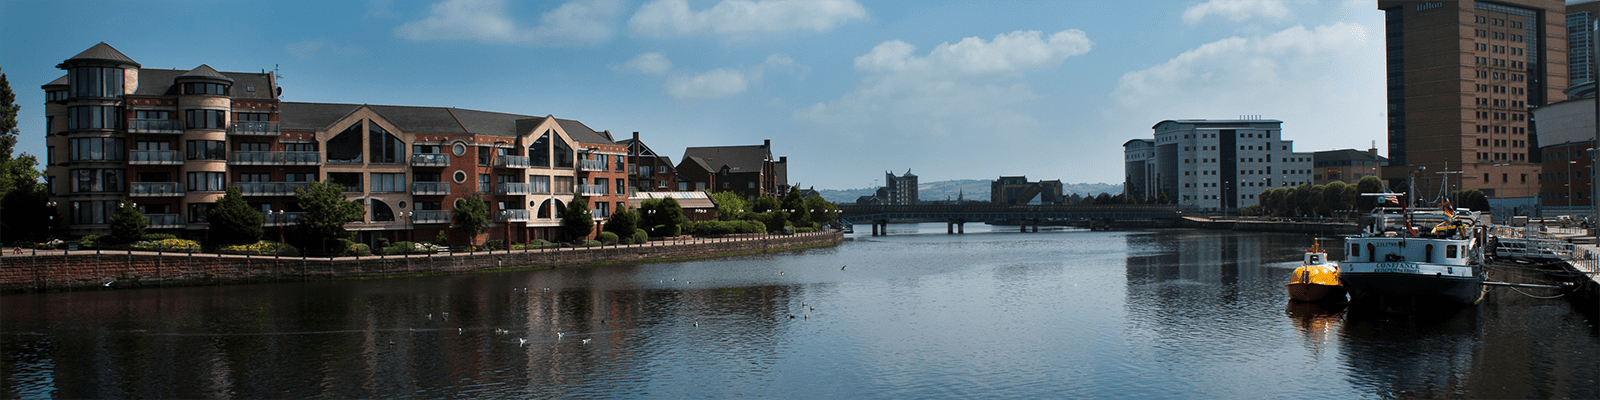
1572, 249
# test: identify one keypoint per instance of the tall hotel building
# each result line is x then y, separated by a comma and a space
174, 140
1213, 165
1462, 77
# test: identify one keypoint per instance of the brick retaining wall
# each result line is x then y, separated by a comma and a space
63, 270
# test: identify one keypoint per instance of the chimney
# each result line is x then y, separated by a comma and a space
636, 136
766, 143
783, 159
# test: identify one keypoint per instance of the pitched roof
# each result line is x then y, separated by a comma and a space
694, 199
697, 161
62, 81
103, 52
246, 85
428, 120
737, 158
205, 72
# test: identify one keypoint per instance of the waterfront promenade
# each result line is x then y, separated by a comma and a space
80, 269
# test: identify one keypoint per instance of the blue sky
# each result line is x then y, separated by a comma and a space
847, 90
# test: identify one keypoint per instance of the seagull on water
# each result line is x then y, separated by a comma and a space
841, 268
522, 342
560, 335
586, 341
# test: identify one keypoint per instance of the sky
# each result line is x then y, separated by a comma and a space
846, 89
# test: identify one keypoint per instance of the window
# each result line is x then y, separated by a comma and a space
350, 180
300, 147
622, 187
601, 186
395, 183
205, 182
206, 149
95, 149
539, 152
300, 177
385, 148
198, 212
381, 211
155, 115
255, 177
93, 212
425, 149
484, 156
563, 185
425, 176
563, 155
97, 180
247, 146
205, 119
95, 82
217, 89
539, 183
622, 164
94, 117
602, 209
483, 179
252, 117
346, 146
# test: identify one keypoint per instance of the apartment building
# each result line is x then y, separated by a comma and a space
650, 172
174, 140
750, 171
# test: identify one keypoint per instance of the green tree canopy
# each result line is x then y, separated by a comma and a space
662, 217
472, 216
24, 212
623, 222
128, 224
795, 205
326, 214
729, 205
576, 219
233, 221
822, 210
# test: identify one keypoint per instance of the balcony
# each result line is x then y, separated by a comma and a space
165, 221
168, 126
269, 188
274, 158
512, 162
254, 128
592, 165
592, 190
155, 157
155, 189
430, 188
430, 160
431, 217
279, 218
513, 216
513, 189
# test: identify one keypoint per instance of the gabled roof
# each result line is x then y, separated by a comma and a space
699, 162
205, 72
737, 158
580, 132
161, 82
102, 52
428, 120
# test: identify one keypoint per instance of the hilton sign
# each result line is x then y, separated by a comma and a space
1429, 5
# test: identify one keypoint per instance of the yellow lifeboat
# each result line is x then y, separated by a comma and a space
1317, 279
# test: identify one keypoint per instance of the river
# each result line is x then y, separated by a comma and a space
916, 314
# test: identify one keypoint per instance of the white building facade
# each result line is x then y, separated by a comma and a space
1216, 165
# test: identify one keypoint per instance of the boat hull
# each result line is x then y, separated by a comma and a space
1402, 289
1314, 293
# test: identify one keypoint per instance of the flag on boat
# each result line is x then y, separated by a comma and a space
1395, 200
1449, 211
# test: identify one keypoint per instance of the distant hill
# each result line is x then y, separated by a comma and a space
970, 189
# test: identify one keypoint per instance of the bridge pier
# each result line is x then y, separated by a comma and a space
880, 227
955, 226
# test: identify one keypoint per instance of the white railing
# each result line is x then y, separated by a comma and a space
155, 189
254, 128
277, 218
592, 165
592, 190
431, 217
269, 188
513, 216
430, 160
512, 162
274, 158
165, 221
155, 126
513, 188
430, 188
155, 157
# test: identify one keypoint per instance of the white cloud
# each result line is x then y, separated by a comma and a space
314, 48
575, 23
1237, 10
647, 63
713, 84
1319, 81
733, 17
967, 87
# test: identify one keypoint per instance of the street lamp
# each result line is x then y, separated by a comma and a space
1568, 179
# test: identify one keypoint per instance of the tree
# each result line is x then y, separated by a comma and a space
24, 209
128, 224
822, 210
326, 213
729, 205
662, 217
472, 216
1333, 198
623, 223
1370, 184
1471, 199
576, 219
795, 205
233, 221
764, 204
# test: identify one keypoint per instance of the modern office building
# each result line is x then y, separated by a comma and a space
174, 140
1215, 165
1581, 18
1567, 132
1138, 166
1462, 76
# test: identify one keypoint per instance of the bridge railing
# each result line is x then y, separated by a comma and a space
1006, 211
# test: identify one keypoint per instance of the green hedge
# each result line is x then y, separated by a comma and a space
262, 248
608, 238
721, 228
173, 245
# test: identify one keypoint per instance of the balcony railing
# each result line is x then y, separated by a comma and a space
155, 189
274, 158
254, 128
513, 216
430, 160
512, 162
431, 217
592, 165
513, 188
430, 188
165, 221
592, 190
155, 157
269, 188
272, 218
155, 126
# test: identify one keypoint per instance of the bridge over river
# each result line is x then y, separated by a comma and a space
955, 216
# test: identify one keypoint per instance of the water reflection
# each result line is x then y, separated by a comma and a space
920, 315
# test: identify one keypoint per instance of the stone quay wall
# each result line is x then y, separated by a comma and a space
86, 269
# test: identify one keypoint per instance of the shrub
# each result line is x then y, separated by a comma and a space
608, 237
412, 248
494, 245
173, 245
383, 242
640, 236
805, 229
90, 241
261, 248
360, 249
157, 236
441, 239
536, 244
586, 243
